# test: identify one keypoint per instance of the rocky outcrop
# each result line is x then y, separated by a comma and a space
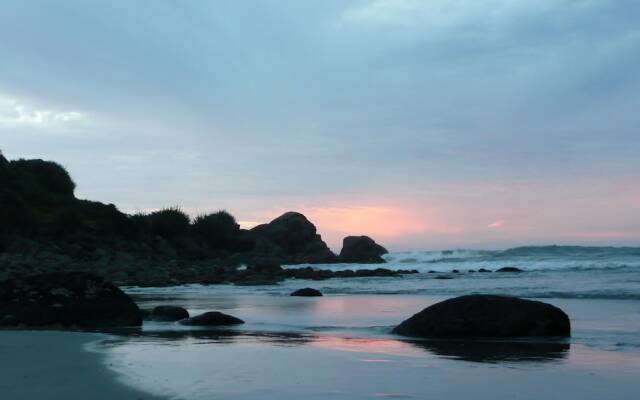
361, 249
212, 318
292, 238
487, 316
65, 300
307, 292
168, 314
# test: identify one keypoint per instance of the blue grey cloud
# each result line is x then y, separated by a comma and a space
262, 104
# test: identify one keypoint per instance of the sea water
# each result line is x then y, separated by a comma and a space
340, 346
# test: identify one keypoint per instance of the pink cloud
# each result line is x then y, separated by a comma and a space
495, 225
386, 222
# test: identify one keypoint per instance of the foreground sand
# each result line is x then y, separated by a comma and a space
55, 365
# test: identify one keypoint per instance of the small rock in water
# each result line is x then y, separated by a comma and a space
168, 314
509, 269
455, 271
212, 318
307, 292
484, 270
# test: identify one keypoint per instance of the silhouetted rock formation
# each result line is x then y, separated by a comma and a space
487, 316
212, 318
168, 314
306, 292
292, 237
361, 249
65, 299
45, 228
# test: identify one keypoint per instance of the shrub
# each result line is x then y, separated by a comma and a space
4, 171
46, 175
169, 223
15, 215
107, 219
218, 230
4, 163
65, 223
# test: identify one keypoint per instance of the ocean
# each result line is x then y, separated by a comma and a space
339, 346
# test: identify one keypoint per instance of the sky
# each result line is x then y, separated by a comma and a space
426, 124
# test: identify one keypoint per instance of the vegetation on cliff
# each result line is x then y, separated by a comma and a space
38, 209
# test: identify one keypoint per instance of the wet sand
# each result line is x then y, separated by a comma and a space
334, 347
339, 347
56, 365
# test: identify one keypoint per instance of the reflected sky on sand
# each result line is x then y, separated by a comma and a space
232, 364
340, 347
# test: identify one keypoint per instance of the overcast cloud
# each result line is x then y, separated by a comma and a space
428, 124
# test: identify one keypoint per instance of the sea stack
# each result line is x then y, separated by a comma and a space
362, 250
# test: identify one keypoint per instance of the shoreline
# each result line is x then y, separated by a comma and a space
59, 365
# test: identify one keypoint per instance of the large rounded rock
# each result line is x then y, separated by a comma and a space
66, 299
361, 249
306, 292
168, 314
212, 318
487, 316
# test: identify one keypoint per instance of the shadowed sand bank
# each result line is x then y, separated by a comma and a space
57, 365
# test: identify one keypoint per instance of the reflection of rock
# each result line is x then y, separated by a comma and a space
487, 316
216, 334
306, 292
66, 299
212, 318
168, 314
361, 249
496, 351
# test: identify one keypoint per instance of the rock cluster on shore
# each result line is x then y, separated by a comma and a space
65, 300
45, 228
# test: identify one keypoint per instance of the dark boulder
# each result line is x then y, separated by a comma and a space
146, 314
212, 318
168, 314
306, 292
292, 238
484, 270
509, 269
66, 299
361, 249
487, 316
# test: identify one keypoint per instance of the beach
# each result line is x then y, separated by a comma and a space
340, 345
58, 365
329, 347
